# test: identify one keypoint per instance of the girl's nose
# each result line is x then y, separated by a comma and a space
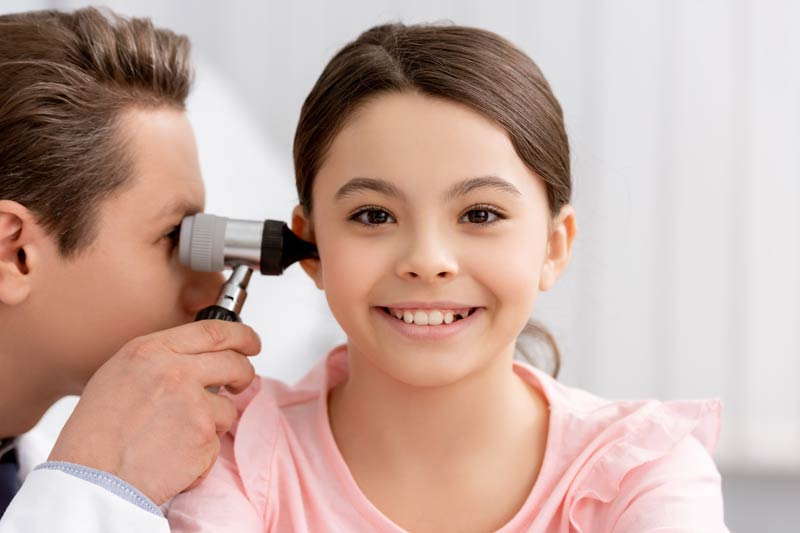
201, 290
427, 257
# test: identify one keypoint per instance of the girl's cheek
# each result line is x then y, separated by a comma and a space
349, 264
513, 262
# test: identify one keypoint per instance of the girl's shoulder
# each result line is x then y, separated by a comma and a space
266, 394
644, 421
620, 458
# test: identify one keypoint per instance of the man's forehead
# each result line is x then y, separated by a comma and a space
166, 181
178, 206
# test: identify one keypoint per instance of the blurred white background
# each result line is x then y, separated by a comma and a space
684, 119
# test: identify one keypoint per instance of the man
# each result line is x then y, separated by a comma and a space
98, 166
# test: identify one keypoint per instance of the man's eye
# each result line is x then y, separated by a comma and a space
482, 215
372, 216
173, 236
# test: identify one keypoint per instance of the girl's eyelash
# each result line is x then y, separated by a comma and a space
488, 208
477, 207
366, 209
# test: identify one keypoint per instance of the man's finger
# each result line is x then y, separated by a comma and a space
223, 411
206, 336
226, 368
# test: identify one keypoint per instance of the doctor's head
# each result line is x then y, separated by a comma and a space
98, 165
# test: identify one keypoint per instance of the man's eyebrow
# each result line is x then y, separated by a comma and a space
461, 188
180, 206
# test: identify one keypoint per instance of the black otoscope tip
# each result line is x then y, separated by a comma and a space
280, 247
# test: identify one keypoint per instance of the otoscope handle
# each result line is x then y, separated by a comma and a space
215, 312
233, 294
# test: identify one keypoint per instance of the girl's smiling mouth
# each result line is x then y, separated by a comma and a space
428, 323
432, 317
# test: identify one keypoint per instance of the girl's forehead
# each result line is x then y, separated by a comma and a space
415, 120
420, 142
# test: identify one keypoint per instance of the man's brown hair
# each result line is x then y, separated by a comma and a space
65, 78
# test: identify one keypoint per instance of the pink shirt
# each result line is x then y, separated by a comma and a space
609, 466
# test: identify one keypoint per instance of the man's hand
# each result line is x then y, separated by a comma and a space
146, 415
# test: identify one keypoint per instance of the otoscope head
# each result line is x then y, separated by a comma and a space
209, 243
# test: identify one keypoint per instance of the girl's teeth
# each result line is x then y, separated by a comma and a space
423, 318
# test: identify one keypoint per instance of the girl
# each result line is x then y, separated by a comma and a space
433, 173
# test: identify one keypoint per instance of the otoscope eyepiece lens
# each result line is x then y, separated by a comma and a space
202, 242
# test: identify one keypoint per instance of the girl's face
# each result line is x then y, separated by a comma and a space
423, 208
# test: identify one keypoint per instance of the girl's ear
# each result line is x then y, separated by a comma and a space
303, 228
20, 240
559, 247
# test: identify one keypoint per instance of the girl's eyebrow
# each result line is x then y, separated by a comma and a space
356, 185
461, 188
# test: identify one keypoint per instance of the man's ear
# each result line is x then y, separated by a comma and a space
559, 247
19, 249
303, 228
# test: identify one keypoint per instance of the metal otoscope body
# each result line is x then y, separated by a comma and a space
209, 243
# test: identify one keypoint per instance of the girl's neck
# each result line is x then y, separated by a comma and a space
377, 420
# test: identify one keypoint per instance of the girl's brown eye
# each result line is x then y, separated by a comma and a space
377, 217
482, 216
478, 216
372, 217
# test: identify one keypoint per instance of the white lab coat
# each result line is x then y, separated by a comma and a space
52, 501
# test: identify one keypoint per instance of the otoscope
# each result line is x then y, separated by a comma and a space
210, 243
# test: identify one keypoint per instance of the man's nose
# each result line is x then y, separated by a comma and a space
202, 290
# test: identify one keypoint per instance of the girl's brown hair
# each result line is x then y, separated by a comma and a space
64, 80
467, 65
